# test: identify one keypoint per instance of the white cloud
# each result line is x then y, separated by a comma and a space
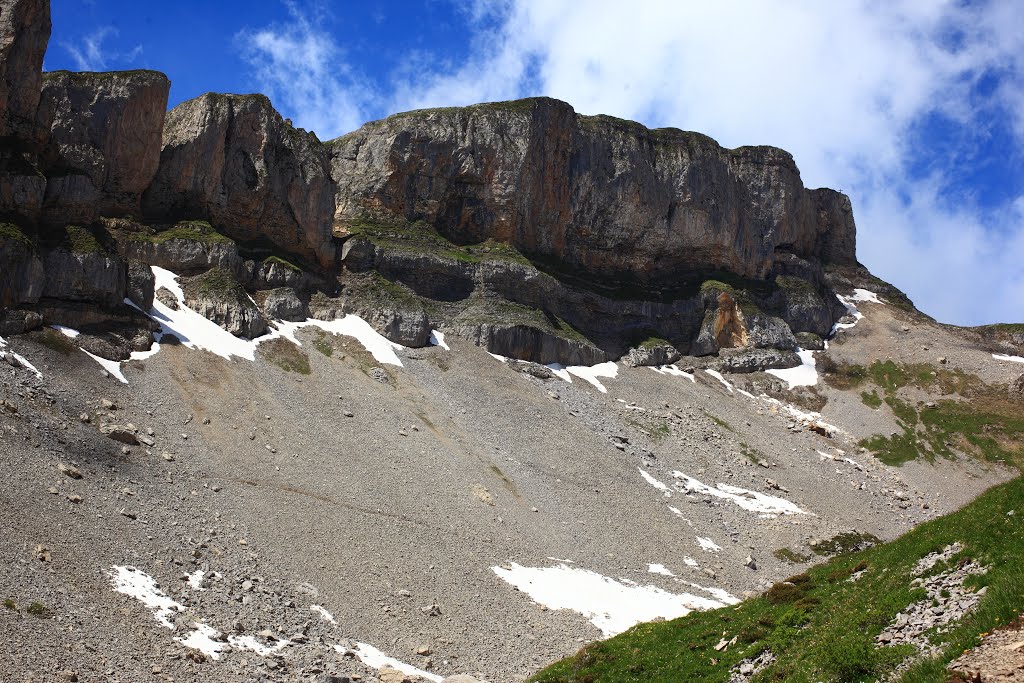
843, 86
303, 70
90, 55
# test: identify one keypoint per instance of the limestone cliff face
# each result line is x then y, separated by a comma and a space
607, 197
24, 33
104, 133
232, 160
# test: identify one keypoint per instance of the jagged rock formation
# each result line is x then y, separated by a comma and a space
232, 160
103, 147
534, 231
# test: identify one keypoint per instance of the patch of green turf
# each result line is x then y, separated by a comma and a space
10, 231
285, 355
52, 339
791, 556
822, 626
872, 400
197, 231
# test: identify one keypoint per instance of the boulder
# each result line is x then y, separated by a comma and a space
24, 34
141, 283
217, 296
104, 142
126, 434
284, 304
754, 360
1017, 387
653, 355
232, 160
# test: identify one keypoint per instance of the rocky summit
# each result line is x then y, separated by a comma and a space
448, 397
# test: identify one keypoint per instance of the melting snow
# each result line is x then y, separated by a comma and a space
803, 375
371, 656
708, 545
195, 580
145, 589
204, 638
865, 295
437, 339
607, 370
590, 373
659, 569
689, 561
718, 593
746, 499
111, 366
655, 483
673, 370
250, 643
612, 606
324, 614
21, 359
717, 375
1003, 356
66, 331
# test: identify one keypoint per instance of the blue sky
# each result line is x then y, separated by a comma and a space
913, 107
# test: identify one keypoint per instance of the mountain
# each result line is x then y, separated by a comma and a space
451, 395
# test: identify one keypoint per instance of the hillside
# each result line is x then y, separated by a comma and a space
458, 394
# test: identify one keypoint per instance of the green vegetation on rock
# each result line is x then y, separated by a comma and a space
197, 231
218, 284
10, 231
422, 238
822, 625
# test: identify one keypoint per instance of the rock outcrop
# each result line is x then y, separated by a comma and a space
105, 131
232, 160
24, 34
595, 195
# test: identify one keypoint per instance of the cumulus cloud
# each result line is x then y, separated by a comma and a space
849, 88
89, 54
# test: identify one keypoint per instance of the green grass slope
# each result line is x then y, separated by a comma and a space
822, 625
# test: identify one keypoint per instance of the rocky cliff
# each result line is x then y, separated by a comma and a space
532, 230
606, 197
232, 159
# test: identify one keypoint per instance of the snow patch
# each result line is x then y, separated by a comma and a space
717, 375
608, 370
673, 370
112, 367
66, 331
689, 561
21, 359
372, 657
324, 614
803, 375
195, 580
655, 483
1003, 356
611, 605
144, 588
744, 498
659, 569
437, 339
250, 643
589, 373
865, 295
708, 545
205, 639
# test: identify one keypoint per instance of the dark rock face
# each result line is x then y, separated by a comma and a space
104, 141
24, 34
21, 273
232, 160
603, 196
93, 277
284, 304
